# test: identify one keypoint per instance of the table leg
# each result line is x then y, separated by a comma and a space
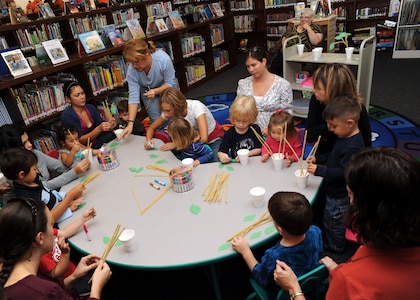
213, 277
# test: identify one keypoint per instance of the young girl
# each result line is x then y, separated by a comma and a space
187, 141
243, 113
71, 151
276, 127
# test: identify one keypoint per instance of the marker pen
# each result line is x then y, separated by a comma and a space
160, 182
154, 186
87, 232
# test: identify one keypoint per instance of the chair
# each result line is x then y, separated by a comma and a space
312, 284
54, 153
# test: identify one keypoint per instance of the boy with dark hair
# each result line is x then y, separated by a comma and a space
122, 107
342, 116
300, 244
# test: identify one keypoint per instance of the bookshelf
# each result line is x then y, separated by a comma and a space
407, 43
103, 72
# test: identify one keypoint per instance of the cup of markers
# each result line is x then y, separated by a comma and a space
182, 179
108, 160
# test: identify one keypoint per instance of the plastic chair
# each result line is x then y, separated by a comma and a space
54, 153
312, 284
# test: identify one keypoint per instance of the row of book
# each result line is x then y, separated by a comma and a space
29, 37
192, 45
195, 70
121, 16
160, 9
371, 12
45, 140
340, 12
279, 3
80, 25
279, 17
165, 46
241, 5
217, 34
4, 114
39, 101
244, 23
220, 58
276, 31
3, 43
107, 74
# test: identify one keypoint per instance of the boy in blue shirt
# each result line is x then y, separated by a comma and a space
342, 117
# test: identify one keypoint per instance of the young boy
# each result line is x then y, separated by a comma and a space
20, 165
300, 244
243, 113
342, 116
138, 128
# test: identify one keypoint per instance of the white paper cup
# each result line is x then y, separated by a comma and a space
118, 132
302, 178
300, 48
243, 155
257, 196
278, 159
349, 52
90, 156
317, 53
127, 239
188, 162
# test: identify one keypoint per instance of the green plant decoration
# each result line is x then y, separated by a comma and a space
341, 38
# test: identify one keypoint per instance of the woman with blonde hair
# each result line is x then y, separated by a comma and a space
149, 74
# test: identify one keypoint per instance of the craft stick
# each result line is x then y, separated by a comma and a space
156, 199
136, 198
91, 177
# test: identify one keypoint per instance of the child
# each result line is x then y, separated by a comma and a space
20, 165
300, 244
71, 151
342, 117
243, 113
187, 141
138, 128
276, 127
57, 262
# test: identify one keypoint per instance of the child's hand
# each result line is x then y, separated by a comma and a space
64, 247
239, 244
311, 159
265, 157
89, 214
196, 163
75, 204
82, 166
76, 191
311, 168
167, 147
149, 145
289, 161
264, 131
95, 151
223, 157
76, 147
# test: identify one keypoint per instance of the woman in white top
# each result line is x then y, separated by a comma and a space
173, 105
271, 92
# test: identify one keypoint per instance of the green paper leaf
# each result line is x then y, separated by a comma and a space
221, 166
105, 240
342, 35
195, 209
133, 169
249, 218
255, 235
83, 179
153, 155
139, 170
113, 144
230, 168
224, 247
269, 229
113, 109
162, 161
81, 205
332, 46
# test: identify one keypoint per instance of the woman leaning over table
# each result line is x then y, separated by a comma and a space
384, 186
271, 92
149, 73
310, 35
26, 234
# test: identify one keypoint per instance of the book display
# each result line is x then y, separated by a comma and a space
16, 62
91, 41
135, 29
55, 51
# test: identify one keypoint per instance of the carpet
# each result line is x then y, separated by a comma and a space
388, 128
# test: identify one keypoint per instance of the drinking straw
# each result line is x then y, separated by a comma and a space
136, 198
156, 199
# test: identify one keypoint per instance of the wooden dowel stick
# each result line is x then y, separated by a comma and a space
136, 198
156, 199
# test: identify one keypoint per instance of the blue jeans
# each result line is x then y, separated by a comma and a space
334, 223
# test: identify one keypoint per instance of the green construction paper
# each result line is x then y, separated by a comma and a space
81, 205
162, 161
106, 240
255, 235
249, 218
153, 155
269, 229
230, 168
221, 165
114, 144
224, 247
113, 109
195, 209
135, 170
83, 179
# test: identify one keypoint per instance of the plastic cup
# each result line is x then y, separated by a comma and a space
243, 155
302, 178
188, 162
118, 132
3, 180
127, 239
317, 53
278, 159
257, 196
349, 52
300, 48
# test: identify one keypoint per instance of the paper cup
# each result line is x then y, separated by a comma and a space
278, 159
188, 162
300, 48
127, 239
257, 196
317, 53
90, 156
302, 178
243, 155
349, 52
118, 132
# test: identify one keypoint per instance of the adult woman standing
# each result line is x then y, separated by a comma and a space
173, 105
26, 234
384, 185
85, 117
310, 35
271, 92
149, 73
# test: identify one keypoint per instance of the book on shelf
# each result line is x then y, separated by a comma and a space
4, 114
3, 43
42, 55
91, 41
90, 5
299, 7
165, 46
135, 28
45, 11
217, 10
114, 35
71, 8
17, 15
55, 51
16, 62
208, 12
161, 25
176, 19
151, 26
